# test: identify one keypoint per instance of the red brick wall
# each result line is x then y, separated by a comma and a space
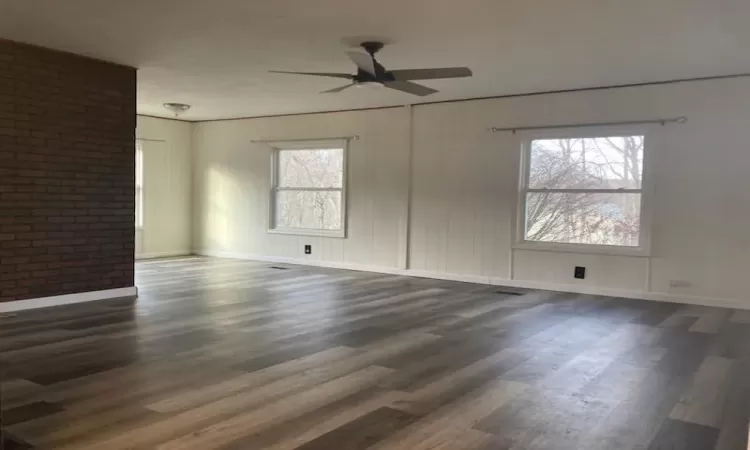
67, 139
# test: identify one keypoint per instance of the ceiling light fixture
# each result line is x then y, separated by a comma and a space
177, 108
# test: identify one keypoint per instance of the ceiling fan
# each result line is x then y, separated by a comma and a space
371, 72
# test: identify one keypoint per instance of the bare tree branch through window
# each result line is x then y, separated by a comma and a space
585, 191
309, 189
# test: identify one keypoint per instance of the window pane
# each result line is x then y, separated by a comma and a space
317, 210
587, 163
602, 219
311, 168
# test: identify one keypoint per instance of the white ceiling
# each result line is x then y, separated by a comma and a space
214, 54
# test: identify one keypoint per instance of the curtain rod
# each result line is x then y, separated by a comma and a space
681, 119
266, 141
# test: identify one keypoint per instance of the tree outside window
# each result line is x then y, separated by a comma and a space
584, 191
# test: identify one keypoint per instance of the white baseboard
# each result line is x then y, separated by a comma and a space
460, 277
496, 281
695, 300
154, 255
68, 299
640, 295
300, 261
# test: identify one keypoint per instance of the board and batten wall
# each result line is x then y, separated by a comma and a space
167, 188
433, 193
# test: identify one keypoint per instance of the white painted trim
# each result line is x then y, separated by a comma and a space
336, 234
154, 255
302, 262
460, 277
496, 281
68, 299
406, 218
639, 295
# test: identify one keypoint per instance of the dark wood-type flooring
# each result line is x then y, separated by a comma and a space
229, 354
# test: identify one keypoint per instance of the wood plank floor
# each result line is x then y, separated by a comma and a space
230, 354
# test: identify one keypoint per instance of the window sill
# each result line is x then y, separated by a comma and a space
610, 250
339, 234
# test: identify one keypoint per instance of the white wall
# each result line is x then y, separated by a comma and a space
167, 188
463, 183
233, 179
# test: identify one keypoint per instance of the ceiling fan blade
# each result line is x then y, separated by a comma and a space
431, 74
338, 89
410, 88
363, 61
317, 74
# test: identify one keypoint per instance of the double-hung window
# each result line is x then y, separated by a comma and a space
583, 192
308, 196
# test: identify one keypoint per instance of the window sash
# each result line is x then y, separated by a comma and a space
622, 235
277, 166
336, 227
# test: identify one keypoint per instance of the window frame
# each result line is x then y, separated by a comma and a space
313, 144
651, 142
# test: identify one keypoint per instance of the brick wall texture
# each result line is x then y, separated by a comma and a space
67, 140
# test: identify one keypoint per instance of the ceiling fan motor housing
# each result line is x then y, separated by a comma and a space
372, 47
381, 76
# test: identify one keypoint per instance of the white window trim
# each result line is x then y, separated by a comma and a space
651, 143
316, 144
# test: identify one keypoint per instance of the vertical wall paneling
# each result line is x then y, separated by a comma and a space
168, 189
232, 181
433, 176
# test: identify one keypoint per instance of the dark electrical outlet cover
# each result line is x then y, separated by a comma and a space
579, 272
308, 249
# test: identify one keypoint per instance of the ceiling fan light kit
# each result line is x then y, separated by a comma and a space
371, 73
